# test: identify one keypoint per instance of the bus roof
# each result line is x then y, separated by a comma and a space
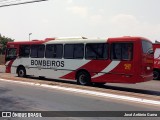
77, 40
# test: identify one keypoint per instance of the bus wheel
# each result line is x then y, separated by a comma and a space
21, 72
83, 78
156, 74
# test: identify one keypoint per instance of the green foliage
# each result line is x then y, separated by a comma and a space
3, 43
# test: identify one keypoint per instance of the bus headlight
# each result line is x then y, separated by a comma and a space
148, 68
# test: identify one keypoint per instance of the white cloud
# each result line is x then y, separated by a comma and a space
124, 19
69, 1
124, 24
96, 19
102, 11
45, 21
79, 17
79, 10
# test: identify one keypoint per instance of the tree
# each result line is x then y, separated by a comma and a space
3, 43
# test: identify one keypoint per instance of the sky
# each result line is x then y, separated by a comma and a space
88, 18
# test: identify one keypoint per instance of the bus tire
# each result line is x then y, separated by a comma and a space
156, 74
21, 72
83, 78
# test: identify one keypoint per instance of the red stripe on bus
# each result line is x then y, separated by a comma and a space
8, 67
94, 66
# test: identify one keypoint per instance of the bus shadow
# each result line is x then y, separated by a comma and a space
126, 89
54, 80
134, 90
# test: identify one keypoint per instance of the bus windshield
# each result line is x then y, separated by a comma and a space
147, 47
11, 54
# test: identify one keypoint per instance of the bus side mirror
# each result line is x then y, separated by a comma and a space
150, 52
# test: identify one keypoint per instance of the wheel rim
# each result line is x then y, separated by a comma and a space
82, 79
21, 73
155, 75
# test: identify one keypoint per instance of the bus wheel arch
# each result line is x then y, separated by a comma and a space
83, 77
156, 74
21, 71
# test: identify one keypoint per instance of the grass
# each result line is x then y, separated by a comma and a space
2, 60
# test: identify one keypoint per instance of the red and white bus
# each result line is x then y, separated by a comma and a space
156, 69
113, 60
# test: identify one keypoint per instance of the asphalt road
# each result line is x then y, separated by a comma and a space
18, 97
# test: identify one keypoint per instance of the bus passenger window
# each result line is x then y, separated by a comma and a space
34, 51
116, 51
37, 51
127, 49
78, 51
58, 51
24, 51
54, 51
122, 51
91, 51
41, 49
68, 51
49, 51
96, 51
74, 51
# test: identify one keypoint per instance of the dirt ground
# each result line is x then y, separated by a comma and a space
2, 60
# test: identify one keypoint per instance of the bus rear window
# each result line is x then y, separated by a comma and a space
146, 46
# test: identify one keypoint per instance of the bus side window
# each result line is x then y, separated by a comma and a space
73, 51
122, 51
78, 51
24, 51
41, 49
54, 51
68, 51
49, 51
34, 51
37, 51
96, 51
127, 50
58, 51
116, 51
91, 51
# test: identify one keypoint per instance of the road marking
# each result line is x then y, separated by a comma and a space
89, 92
